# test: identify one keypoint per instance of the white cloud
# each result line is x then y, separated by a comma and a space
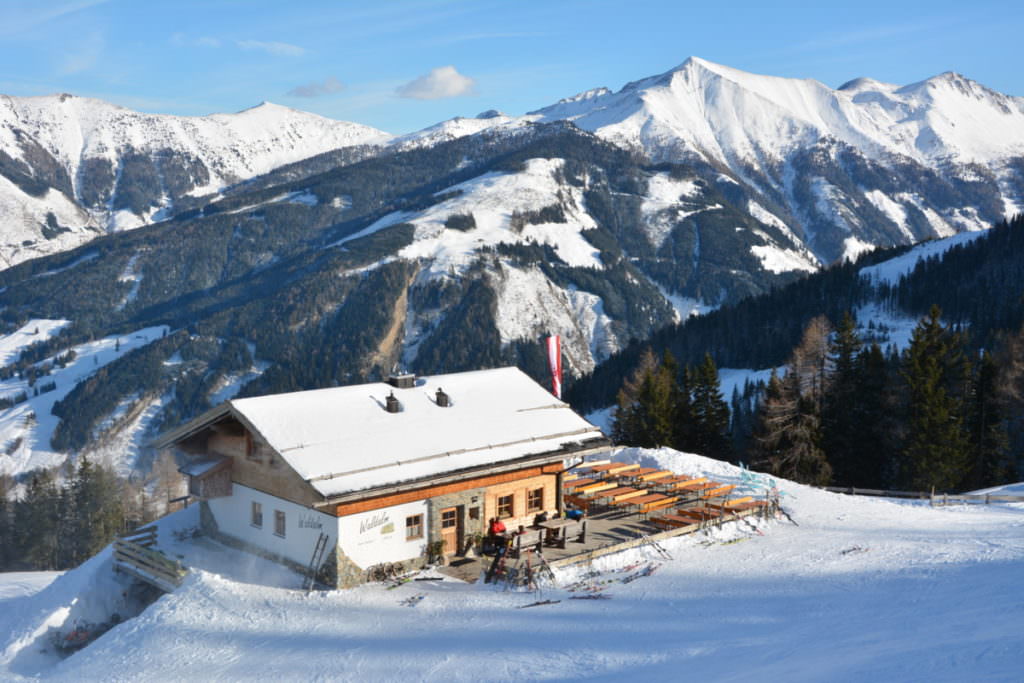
272, 47
444, 81
327, 86
207, 41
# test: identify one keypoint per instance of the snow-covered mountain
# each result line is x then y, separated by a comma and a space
726, 115
602, 218
72, 167
840, 170
868, 163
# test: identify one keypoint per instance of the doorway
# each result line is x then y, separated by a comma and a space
451, 529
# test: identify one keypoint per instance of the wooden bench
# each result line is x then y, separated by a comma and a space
639, 472
595, 487
699, 514
719, 491
614, 468
657, 475
531, 538
576, 483
672, 521
698, 486
625, 493
653, 501
749, 505
731, 504
565, 529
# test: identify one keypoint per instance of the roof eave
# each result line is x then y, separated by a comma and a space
588, 447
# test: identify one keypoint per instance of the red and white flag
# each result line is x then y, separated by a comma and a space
555, 364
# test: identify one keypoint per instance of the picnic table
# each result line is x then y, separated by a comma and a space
699, 514
594, 487
576, 483
650, 502
671, 521
614, 468
561, 529
639, 472
678, 481
719, 491
698, 486
621, 493
656, 475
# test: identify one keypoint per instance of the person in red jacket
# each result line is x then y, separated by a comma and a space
497, 528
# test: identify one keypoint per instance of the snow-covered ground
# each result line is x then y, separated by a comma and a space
891, 270
26, 428
862, 589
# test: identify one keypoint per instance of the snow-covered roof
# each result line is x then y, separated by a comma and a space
343, 440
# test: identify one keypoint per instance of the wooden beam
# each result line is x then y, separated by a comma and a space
422, 493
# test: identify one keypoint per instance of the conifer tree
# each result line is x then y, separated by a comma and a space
788, 440
990, 463
36, 518
875, 443
646, 415
682, 405
710, 413
93, 512
937, 452
843, 407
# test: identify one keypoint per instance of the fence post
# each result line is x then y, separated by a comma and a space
932, 500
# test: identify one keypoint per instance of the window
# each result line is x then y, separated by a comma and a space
279, 523
413, 527
535, 500
251, 452
505, 506
257, 515
449, 519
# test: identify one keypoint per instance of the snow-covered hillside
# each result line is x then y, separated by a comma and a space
99, 167
862, 589
27, 427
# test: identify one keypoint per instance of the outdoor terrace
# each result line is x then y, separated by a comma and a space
628, 506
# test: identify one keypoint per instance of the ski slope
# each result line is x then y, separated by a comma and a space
862, 589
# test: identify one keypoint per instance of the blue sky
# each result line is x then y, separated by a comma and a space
404, 64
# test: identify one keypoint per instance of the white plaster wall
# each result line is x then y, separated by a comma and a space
302, 524
369, 538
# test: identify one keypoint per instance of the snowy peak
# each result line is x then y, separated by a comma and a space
72, 167
717, 112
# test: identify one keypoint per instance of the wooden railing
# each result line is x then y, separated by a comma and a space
932, 497
134, 554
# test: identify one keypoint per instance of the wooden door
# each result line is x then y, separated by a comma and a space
451, 530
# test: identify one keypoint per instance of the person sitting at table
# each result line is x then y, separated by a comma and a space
541, 517
497, 527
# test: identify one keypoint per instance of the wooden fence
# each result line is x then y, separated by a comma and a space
936, 499
135, 554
